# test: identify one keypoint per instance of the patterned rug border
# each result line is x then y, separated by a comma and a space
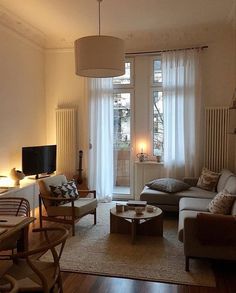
138, 279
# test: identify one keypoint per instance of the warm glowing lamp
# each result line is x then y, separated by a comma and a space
142, 156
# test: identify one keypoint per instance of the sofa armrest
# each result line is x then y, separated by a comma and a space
195, 245
215, 229
192, 181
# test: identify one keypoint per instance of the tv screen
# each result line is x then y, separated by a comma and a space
39, 159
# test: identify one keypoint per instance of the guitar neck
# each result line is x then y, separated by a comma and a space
80, 170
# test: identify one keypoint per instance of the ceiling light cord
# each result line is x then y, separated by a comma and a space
99, 17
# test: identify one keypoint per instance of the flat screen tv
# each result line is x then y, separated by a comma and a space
38, 160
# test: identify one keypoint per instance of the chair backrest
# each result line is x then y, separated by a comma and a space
14, 206
44, 186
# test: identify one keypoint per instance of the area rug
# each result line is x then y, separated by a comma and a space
94, 250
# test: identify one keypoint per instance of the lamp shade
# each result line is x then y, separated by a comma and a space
99, 56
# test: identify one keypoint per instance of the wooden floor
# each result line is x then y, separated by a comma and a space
83, 283
225, 274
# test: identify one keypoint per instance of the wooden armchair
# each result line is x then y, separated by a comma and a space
57, 211
32, 274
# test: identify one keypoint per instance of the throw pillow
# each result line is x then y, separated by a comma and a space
169, 185
208, 180
222, 203
66, 190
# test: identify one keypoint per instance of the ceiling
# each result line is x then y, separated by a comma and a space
57, 23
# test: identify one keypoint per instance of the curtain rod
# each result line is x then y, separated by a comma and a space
161, 51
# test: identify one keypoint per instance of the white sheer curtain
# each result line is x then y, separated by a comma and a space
101, 137
182, 112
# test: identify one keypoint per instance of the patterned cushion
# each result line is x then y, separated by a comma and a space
222, 203
66, 190
169, 185
208, 180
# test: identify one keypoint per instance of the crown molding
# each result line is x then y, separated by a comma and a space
19, 26
59, 50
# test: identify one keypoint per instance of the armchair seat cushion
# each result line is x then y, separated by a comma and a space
82, 207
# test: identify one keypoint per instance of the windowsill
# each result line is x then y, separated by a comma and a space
149, 163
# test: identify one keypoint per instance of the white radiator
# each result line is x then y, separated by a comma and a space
66, 133
216, 138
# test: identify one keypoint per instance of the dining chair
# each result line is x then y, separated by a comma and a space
13, 206
8, 284
35, 275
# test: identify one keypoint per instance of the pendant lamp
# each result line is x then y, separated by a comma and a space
99, 56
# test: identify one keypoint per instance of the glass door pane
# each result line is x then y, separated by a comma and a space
122, 140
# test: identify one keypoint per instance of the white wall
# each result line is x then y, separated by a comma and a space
22, 100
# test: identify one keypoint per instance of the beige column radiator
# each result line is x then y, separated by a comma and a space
216, 138
66, 133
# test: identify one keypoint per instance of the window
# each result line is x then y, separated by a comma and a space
157, 107
126, 80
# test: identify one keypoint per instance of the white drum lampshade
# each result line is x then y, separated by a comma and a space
99, 56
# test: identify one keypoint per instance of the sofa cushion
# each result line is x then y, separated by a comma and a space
158, 197
169, 185
194, 204
230, 185
222, 203
208, 180
169, 200
225, 174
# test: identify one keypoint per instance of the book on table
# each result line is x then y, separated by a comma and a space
137, 203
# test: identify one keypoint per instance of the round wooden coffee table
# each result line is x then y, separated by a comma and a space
128, 222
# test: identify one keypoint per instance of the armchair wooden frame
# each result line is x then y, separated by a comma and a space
72, 218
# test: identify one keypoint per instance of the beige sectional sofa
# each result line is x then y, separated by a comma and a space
192, 204
223, 247
170, 201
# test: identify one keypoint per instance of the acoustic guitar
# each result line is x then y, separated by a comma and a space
81, 181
